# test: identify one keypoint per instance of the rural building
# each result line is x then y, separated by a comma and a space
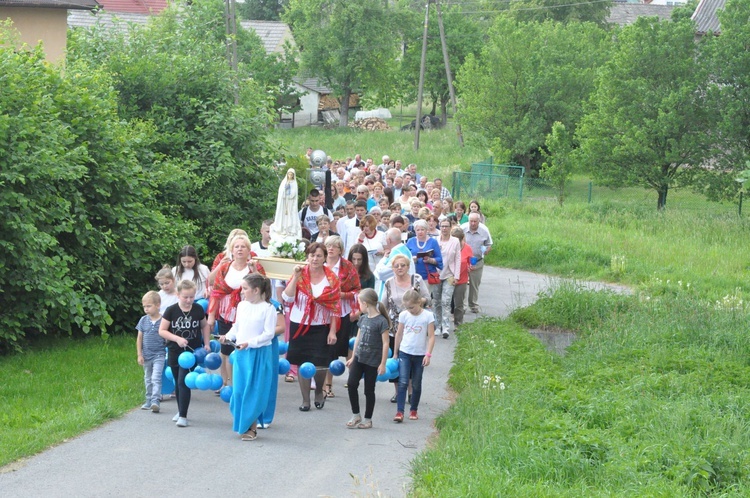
43, 21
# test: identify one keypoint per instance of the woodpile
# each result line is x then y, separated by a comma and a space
370, 124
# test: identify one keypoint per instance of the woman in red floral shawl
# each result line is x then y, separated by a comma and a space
350, 287
225, 294
315, 293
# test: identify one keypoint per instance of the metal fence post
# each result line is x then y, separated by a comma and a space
740, 208
590, 185
520, 189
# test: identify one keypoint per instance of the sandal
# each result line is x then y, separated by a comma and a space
328, 392
250, 435
320, 404
365, 425
354, 421
289, 378
304, 408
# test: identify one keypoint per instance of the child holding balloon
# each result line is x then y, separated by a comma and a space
185, 328
150, 348
370, 355
414, 341
253, 365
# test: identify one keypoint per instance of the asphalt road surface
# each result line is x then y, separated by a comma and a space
308, 454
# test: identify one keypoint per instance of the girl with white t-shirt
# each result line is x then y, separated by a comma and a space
414, 341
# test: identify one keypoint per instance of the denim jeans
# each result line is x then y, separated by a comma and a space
409, 367
152, 372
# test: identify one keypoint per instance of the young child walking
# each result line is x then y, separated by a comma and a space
414, 341
184, 325
370, 355
167, 288
253, 368
150, 348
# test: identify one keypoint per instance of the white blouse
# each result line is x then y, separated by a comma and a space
255, 324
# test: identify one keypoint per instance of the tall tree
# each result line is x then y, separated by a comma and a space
648, 125
528, 76
349, 45
728, 58
173, 72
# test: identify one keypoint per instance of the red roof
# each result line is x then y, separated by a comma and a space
134, 6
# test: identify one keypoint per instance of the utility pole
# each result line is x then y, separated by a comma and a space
418, 123
448, 72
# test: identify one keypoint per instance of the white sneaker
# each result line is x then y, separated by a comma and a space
182, 422
176, 417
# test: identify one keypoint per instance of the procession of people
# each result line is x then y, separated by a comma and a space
384, 229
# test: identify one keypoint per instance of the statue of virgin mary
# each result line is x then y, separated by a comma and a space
286, 222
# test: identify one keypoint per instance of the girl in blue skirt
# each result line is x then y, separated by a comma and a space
253, 368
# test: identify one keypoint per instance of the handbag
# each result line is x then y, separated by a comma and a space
433, 277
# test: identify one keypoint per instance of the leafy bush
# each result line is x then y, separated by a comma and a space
81, 229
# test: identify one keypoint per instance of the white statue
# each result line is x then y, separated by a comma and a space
286, 222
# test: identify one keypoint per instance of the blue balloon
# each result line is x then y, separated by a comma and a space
307, 370
393, 375
231, 357
337, 367
203, 303
215, 346
390, 353
226, 393
216, 328
284, 366
199, 370
391, 365
216, 382
167, 385
203, 382
351, 342
200, 355
186, 360
383, 377
168, 375
212, 361
190, 379
283, 347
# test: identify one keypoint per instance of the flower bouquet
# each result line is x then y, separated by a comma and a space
286, 253
288, 249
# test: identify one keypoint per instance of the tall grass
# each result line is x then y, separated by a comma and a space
62, 388
623, 243
650, 401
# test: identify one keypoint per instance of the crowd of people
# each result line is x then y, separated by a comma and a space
392, 262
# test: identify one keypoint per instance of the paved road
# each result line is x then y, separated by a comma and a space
301, 455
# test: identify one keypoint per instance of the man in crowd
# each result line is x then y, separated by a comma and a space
478, 237
350, 230
308, 215
444, 192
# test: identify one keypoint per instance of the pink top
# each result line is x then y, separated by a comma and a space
451, 251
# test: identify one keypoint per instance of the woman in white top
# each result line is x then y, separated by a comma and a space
225, 294
189, 267
315, 294
253, 366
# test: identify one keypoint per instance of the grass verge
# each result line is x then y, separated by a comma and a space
650, 401
53, 392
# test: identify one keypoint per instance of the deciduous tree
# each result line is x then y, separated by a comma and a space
648, 124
